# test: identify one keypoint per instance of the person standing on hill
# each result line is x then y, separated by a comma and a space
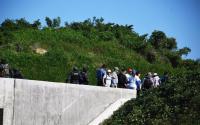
74, 76
115, 77
107, 79
131, 80
83, 76
164, 78
156, 80
147, 82
138, 81
99, 74
4, 69
14, 73
122, 80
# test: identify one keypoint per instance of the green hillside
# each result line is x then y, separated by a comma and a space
92, 43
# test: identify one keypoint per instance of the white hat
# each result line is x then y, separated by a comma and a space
108, 70
116, 68
155, 74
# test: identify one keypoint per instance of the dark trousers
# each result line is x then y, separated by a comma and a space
99, 82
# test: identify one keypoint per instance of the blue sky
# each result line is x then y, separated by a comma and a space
177, 18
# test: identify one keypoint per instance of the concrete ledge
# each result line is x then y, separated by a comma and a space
48, 103
7, 99
108, 112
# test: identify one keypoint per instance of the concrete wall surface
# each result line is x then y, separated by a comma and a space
47, 103
7, 99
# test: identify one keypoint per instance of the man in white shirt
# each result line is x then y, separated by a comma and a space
156, 80
107, 79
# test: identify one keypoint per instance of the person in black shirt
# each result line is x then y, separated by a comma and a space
122, 80
74, 76
83, 76
148, 83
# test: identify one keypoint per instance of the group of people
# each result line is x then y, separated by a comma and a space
8, 72
124, 78
129, 78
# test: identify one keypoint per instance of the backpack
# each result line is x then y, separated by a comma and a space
147, 83
83, 78
16, 74
122, 80
74, 77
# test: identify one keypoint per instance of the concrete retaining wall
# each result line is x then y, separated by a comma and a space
7, 100
28, 102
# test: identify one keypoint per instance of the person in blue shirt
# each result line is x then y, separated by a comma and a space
131, 81
138, 82
99, 74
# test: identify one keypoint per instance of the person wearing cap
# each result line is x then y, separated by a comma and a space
115, 77
74, 76
107, 79
156, 80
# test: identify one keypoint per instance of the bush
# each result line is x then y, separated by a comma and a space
176, 102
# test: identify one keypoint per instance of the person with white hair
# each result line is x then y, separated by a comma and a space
115, 77
156, 80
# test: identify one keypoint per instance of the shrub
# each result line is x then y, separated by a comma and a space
176, 102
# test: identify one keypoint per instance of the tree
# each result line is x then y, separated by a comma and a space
36, 24
75, 25
67, 25
99, 24
184, 51
56, 22
129, 27
49, 22
2, 38
157, 38
22, 23
173, 57
8, 25
198, 60
169, 43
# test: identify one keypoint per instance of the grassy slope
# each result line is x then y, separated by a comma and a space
67, 48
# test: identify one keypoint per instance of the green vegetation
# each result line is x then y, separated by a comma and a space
92, 43
175, 103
